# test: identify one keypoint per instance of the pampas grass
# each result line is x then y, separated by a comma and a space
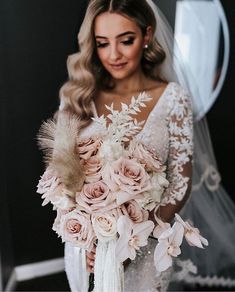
58, 140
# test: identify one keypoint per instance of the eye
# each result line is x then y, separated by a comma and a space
101, 45
128, 42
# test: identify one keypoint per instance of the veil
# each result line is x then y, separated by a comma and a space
209, 207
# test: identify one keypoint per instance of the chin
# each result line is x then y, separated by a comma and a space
120, 75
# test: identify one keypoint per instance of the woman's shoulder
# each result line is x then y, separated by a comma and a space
178, 90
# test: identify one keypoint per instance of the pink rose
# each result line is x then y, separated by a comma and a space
146, 156
76, 228
88, 147
126, 178
92, 167
105, 227
53, 191
135, 212
48, 182
95, 197
56, 224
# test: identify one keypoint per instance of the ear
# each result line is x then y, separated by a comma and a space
148, 35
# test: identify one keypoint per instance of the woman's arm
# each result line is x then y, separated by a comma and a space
167, 212
179, 163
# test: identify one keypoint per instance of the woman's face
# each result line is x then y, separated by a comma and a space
119, 43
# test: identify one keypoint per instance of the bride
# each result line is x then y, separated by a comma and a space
126, 48
119, 58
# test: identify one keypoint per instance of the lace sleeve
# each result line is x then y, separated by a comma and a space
180, 127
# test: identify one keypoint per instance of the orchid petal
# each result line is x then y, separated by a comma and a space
161, 259
132, 253
166, 234
143, 229
204, 240
159, 229
124, 226
122, 249
160, 250
177, 237
176, 251
180, 220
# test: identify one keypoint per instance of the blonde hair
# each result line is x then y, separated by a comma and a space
85, 71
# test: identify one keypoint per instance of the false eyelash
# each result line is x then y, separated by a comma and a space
101, 45
128, 42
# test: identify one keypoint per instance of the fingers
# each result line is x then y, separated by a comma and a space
90, 260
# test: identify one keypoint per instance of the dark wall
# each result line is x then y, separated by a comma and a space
36, 37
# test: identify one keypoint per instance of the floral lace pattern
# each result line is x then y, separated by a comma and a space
180, 124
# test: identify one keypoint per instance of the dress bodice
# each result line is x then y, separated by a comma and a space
154, 132
168, 132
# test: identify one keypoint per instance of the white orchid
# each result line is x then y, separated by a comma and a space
168, 247
192, 234
160, 228
131, 237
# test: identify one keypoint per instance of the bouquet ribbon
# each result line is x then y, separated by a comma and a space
109, 272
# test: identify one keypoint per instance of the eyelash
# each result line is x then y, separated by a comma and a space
128, 42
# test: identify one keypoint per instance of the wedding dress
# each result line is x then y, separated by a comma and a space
168, 131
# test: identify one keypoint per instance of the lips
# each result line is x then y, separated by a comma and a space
118, 66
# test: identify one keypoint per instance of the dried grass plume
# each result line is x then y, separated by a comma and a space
58, 140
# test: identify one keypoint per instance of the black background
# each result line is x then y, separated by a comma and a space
35, 39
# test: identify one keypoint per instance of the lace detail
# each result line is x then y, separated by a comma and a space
180, 125
187, 271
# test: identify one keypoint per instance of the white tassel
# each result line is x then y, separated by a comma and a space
75, 267
109, 274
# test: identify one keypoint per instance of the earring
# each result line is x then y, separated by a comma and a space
146, 46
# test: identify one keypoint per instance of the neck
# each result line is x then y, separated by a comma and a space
133, 83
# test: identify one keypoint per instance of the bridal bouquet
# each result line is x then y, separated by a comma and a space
104, 187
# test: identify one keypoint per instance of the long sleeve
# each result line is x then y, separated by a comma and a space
180, 127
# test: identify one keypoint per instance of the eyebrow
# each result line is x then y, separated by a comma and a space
118, 36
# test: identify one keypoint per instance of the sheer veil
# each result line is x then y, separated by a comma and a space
209, 207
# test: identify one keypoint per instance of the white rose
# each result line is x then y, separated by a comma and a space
159, 183
111, 150
105, 227
62, 198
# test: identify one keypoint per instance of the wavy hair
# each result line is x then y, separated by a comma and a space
86, 74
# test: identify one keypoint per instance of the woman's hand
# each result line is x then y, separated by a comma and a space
90, 260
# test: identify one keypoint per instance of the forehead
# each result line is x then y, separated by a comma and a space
111, 24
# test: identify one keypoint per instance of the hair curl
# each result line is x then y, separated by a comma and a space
85, 71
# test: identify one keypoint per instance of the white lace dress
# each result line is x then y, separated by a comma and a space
168, 131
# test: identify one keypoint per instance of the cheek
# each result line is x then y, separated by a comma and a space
134, 53
103, 55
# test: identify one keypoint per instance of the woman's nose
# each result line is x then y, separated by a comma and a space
114, 53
